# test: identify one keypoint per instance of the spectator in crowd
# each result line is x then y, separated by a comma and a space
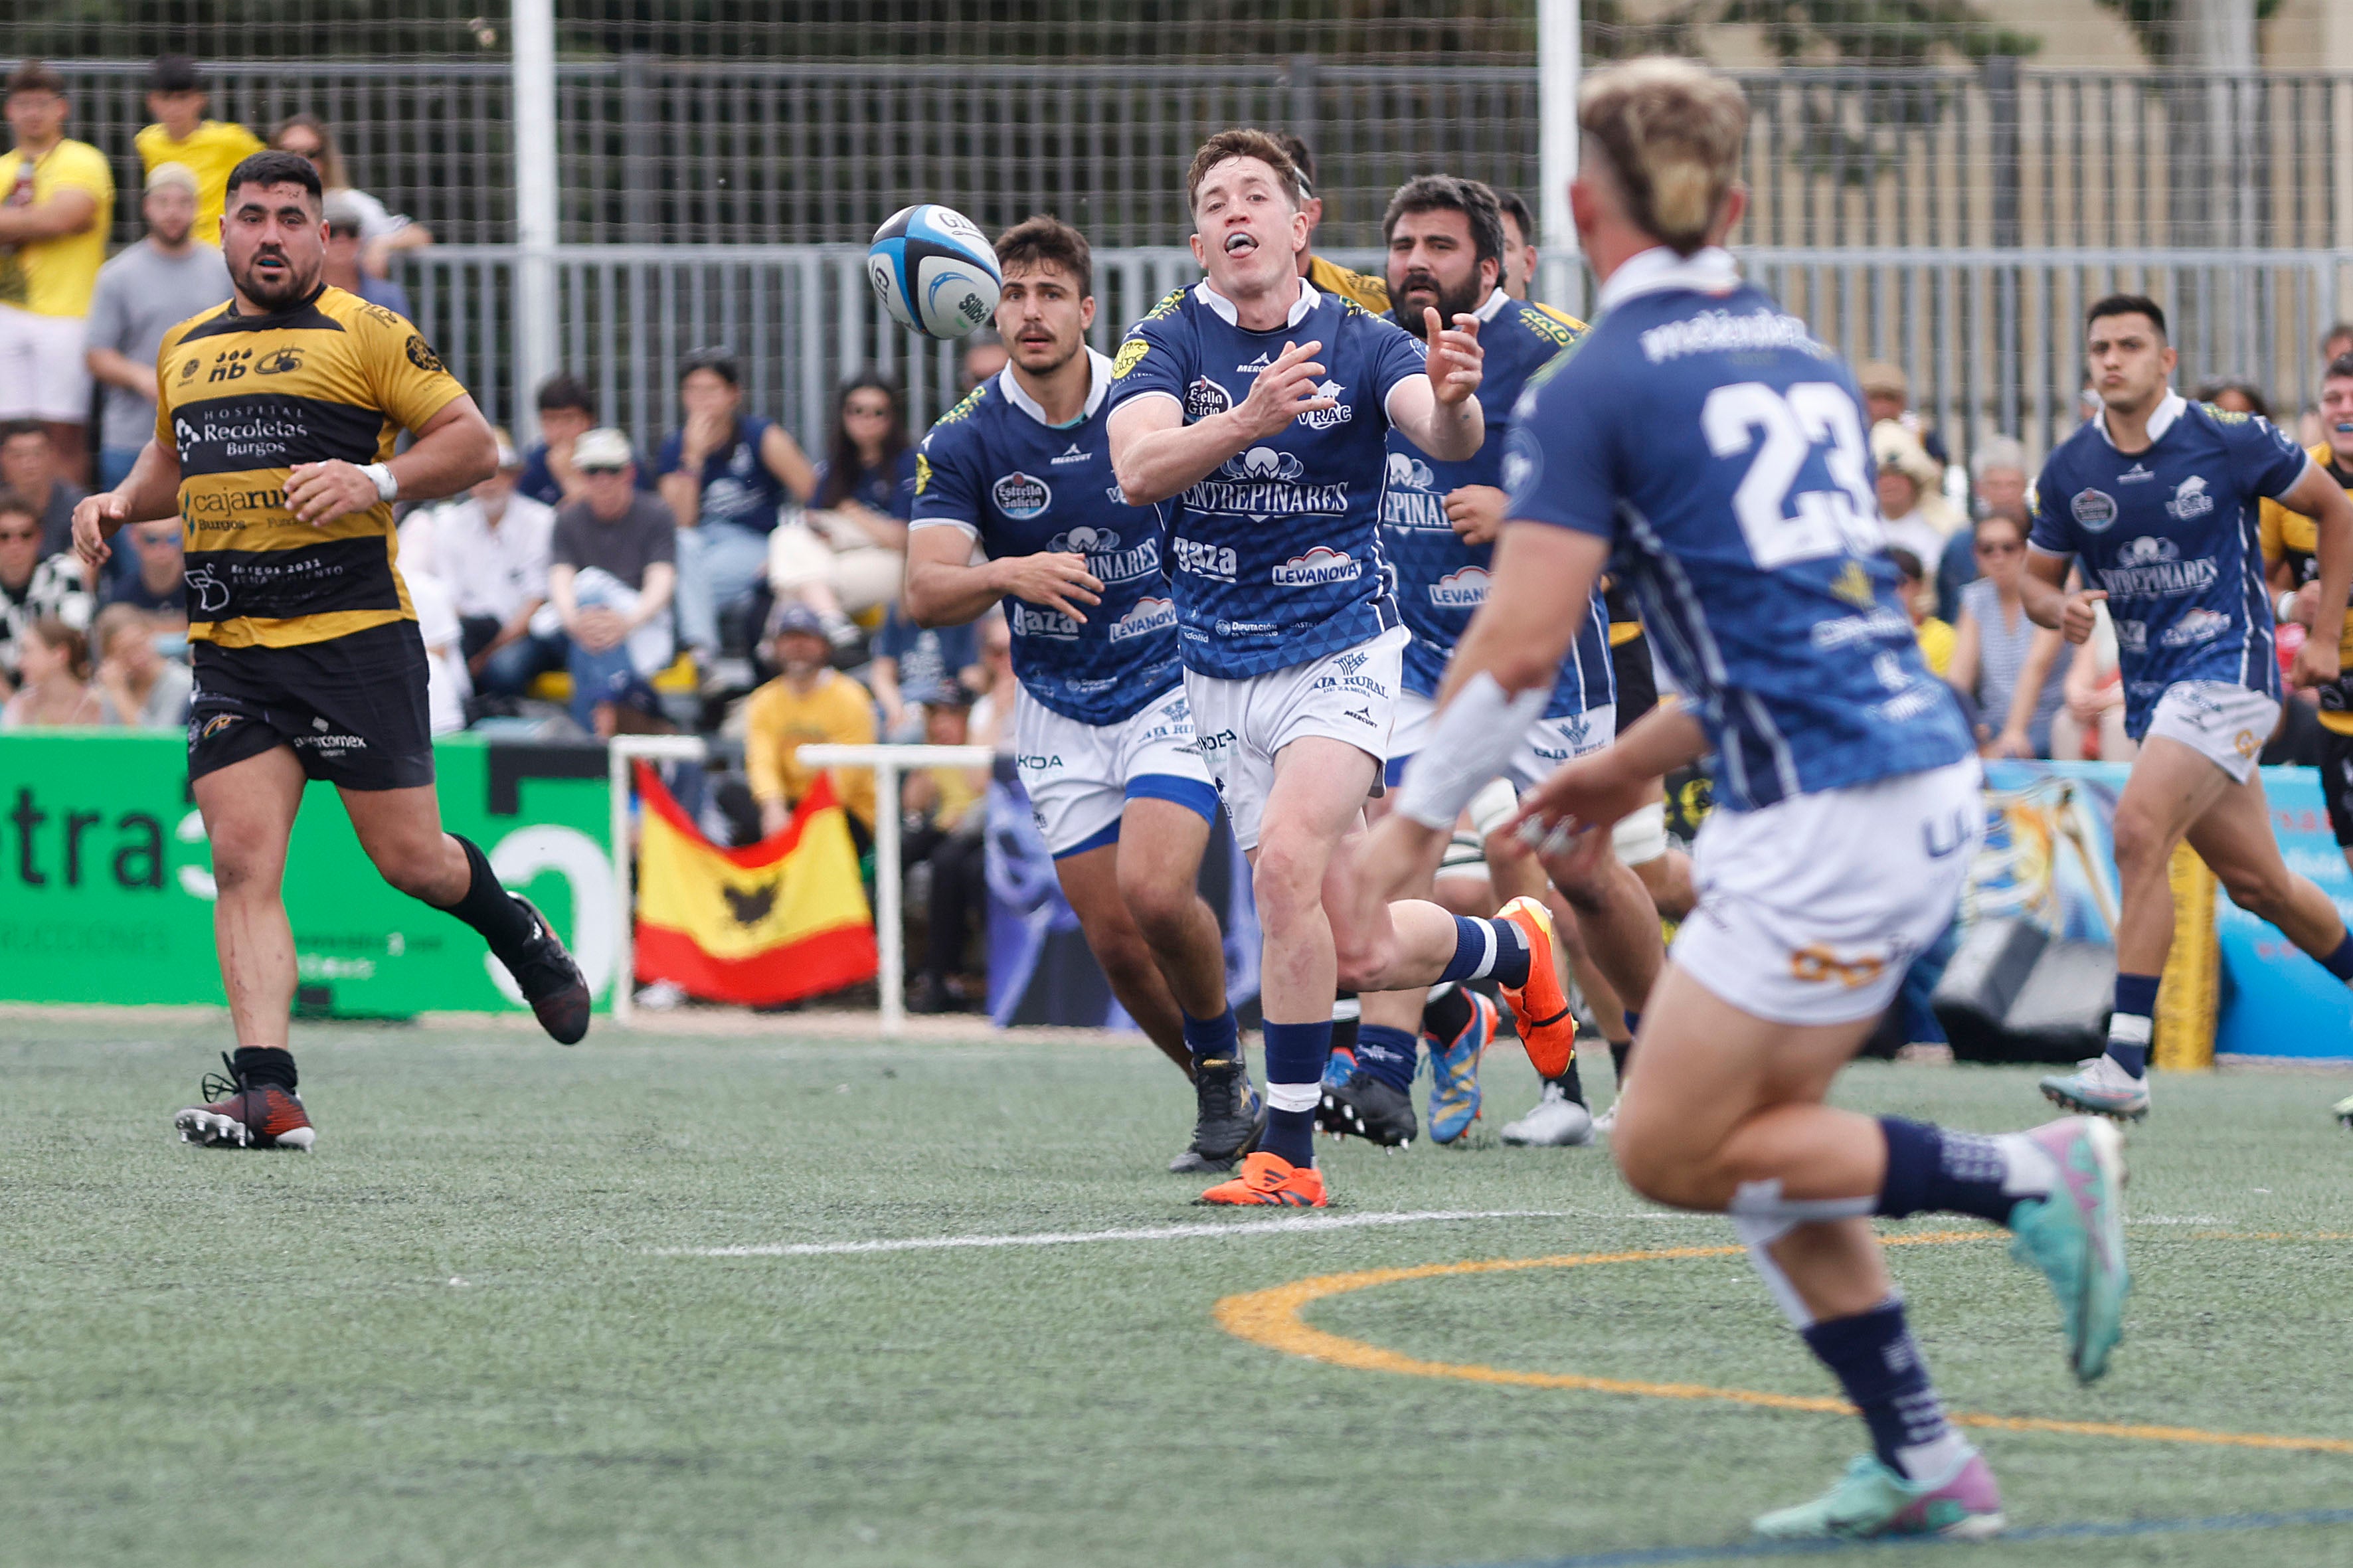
381, 232
984, 355
2337, 342
1918, 516
2234, 396
810, 702
1519, 244
2013, 670
32, 588
568, 410
208, 149
1934, 635
448, 687
1887, 399
945, 815
917, 666
28, 467
155, 579
53, 680
55, 197
726, 475
850, 552
992, 710
2091, 723
143, 293
138, 687
345, 220
611, 570
491, 548
1999, 482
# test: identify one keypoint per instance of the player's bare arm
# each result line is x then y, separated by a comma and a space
946, 589
1155, 455
1596, 790
1439, 411
2042, 592
150, 491
453, 452
66, 212
2319, 497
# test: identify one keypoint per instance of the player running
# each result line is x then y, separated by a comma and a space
1702, 444
1440, 519
1104, 739
1263, 404
2159, 496
275, 427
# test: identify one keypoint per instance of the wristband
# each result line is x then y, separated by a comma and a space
380, 475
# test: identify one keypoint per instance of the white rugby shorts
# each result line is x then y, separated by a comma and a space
1243, 724
2224, 723
1811, 908
1080, 777
1547, 743
42, 374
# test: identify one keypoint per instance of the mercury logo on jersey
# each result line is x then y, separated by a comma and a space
2189, 499
1021, 496
1072, 455
1256, 365
1321, 565
2138, 474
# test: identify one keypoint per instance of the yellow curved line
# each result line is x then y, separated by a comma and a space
1272, 1318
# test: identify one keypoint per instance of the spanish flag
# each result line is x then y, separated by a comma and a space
784, 919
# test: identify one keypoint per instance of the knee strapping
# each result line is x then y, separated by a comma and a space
1761, 1217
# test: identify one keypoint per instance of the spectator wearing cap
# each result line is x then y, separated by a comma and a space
726, 475
1998, 483
208, 149
612, 566
492, 546
28, 468
345, 220
1916, 516
145, 291
809, 704
56, 194
567, 409
1887, 398
382, 232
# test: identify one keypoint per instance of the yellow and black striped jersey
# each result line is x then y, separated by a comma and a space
1563, 316
242, 400
1371, 292
2291, 537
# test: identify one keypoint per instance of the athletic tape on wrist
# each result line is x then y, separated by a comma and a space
380, 475
1471, 743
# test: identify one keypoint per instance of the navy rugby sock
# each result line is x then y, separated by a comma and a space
1387, 1054
1877, 1362
489, 908
2340, 962
1213, 1039
1487, 947
1934, 1170
2132, 1023
1294, 1083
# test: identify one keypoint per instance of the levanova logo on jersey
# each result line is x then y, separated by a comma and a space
1147, 616
1461, 590
1321, 565
2195, 626
1105, 559
2153, 568
1262, 483
1021, 496
2189, 499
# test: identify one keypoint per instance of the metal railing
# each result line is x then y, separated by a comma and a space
1989, 337
660, 149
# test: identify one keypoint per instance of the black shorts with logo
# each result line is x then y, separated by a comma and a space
2336, 783
352, 708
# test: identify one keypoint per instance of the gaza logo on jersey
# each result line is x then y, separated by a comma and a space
1339, 414
2093, 510
2189, 499
1321, 565
1020, 496
2195, 626
1146, 616
1461, 590
1029, 621
1105, 557
1205, 398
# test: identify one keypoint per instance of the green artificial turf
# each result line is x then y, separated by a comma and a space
449, 1337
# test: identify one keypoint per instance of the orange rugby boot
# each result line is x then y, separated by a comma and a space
1547, 1028
1269, 1179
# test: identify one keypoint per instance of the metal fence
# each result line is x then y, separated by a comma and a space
1989, 338
656, 149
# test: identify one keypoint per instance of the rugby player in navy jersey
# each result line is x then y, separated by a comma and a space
1445, 247
1104, 740
1701, 445
2159, 500
1260, 406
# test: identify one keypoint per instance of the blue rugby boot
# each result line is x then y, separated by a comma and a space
1454, 1071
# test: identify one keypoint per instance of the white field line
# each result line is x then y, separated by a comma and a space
1070, 1238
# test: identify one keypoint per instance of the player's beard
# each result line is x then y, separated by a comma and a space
294, 283
1460, 302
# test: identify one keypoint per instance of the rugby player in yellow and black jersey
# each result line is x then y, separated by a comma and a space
2291, 543
275, 427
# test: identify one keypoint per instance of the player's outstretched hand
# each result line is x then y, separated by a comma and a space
2317, 664
95, 517
2076, 621
1284, 390
317, 493
1059, 580
1477, 513
1456, 361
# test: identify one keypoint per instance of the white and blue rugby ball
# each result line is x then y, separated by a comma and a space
935, 270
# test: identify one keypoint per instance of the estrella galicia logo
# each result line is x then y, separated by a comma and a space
278, 361
1021, 496
1206, 398
2094, 511
2189, 499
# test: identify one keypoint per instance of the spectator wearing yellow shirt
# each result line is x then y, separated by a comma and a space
181, 134
807, 703
55, 196
1936, 637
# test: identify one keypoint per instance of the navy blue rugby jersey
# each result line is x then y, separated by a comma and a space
1276, 557
1440, 581
994, 469
2171, 533
1720, 448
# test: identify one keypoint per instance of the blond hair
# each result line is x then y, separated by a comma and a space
1671, 131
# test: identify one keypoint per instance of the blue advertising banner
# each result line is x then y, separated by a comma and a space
2276, 1001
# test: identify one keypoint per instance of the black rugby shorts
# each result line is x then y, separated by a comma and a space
351, 709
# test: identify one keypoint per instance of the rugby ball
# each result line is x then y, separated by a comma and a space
935, 270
